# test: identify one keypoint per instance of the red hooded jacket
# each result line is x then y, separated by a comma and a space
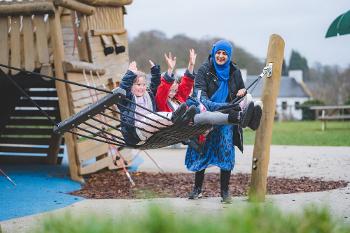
182, 94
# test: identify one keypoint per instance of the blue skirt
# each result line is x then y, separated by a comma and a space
218, 150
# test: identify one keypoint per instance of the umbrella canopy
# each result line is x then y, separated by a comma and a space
340, 26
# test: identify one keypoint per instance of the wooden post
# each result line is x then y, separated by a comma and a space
263, 137
58, 52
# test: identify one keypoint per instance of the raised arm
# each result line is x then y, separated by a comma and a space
155, 79
129, 77
187, 79
166, 82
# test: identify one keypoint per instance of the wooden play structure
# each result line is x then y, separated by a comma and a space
85, 42
82, 41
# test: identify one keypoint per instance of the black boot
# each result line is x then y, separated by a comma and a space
246, 115
233, 117
255, 121
198, 182
189, 114
224, 182
178, 113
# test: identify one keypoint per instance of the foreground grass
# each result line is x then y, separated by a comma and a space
254, 219
306, 133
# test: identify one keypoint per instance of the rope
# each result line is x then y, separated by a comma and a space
53, 78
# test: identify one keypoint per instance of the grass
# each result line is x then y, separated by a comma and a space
306, 133
251, 219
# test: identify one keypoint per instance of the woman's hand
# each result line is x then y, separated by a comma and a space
241, 92
192, 61
133, 66
171, 61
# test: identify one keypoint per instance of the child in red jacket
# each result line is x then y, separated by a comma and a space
170, 94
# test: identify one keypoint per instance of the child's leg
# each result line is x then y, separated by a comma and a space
148, 124
212, 118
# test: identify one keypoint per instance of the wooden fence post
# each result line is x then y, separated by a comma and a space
263, 137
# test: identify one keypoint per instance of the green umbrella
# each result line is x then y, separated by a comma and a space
340, 26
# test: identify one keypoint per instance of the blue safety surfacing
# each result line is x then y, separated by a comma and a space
39, 188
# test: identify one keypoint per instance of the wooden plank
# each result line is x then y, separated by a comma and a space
26, 131
336, 117
25, 141
98, 165
99, 32
80, 67
21, 149
85, 94
34, 113
4, 51
52, 93
29, 122
88, 149
28, 42
15, 44
41, 40
25, 159
41, 103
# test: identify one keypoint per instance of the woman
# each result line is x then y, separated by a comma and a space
219, 80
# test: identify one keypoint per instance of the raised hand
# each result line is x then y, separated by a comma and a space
171, 61
192, 60
133, 66
152, 63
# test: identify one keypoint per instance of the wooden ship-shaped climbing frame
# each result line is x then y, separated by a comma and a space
82, 41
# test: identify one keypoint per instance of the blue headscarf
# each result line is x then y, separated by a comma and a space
222, 71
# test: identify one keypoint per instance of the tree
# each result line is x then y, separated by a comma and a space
153, 44
297, 62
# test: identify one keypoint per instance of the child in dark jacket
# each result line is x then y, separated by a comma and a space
139, 123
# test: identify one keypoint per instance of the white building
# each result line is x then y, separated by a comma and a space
293, 92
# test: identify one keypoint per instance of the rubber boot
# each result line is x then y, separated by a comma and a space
224, 182
198, 182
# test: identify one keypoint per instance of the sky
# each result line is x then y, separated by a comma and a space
249, 23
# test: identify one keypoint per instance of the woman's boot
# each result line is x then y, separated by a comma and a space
198, 182
224, 182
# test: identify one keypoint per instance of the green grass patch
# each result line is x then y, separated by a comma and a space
306, 133
251, 219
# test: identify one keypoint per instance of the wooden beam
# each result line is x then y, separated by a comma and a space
114, 3
15, 44
75, 6
79, 66
263, 137
28, 44
25, 159
4, 43
26, 8
54, 148
95, 32
58, 52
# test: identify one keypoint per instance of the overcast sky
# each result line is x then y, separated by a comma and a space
249, 23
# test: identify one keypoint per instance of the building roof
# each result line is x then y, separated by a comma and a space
289, 87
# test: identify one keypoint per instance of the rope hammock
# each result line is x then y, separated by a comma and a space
113, 102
